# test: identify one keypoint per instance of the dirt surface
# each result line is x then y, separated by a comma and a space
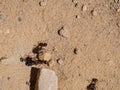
84, 34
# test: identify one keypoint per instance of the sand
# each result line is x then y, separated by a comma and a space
24, 23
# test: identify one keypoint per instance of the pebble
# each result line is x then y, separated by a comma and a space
84, 8
77, 16
94, 13
42, 3
45, 56
118, 10
54, 49
8, 78
76, 50
75, 1
64, 32
51, 63
118, 24
47, 80
60, 61
21, 13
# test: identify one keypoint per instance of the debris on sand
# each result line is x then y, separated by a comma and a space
47, 80
92, 85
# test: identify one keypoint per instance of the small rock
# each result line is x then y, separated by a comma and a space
42, 3
8, 78
45, 56
64, 32
54, 49
51, 63
118, 24
77, 16
84, 8
94, 13
75, 1
19, 19
47, 80
118, 10
60, 61
76, 50
28, 83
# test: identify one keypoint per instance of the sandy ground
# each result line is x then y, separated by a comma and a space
91, 26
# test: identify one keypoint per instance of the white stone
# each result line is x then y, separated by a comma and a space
47, 80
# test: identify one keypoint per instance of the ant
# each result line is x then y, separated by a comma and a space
92, 85
29, 61
39, 47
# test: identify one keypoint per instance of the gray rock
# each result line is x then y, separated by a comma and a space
47, 80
